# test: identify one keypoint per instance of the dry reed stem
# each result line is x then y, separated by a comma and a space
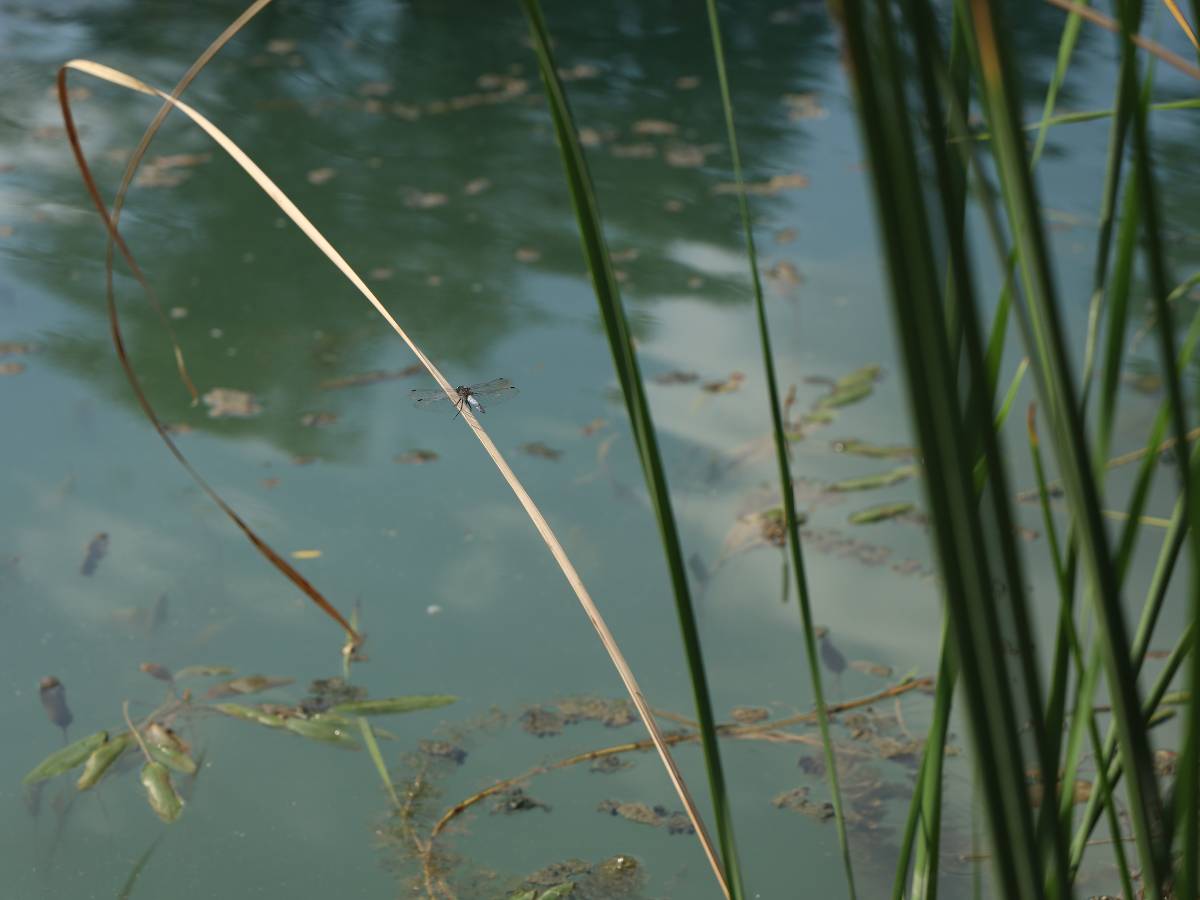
135, 161
1182, 22
1124, 459
286, 568
1098, 18
114, 76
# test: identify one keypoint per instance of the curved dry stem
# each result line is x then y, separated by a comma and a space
135, 160
1098, 18
272, 190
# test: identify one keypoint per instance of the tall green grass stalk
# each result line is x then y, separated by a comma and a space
778, 430
1186, 812
1056, 384
616, 328
941, 420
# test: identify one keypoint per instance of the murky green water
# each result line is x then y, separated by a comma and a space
415, 137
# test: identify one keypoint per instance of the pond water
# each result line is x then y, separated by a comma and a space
414, 135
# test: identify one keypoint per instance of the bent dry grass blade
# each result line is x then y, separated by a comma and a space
273, 191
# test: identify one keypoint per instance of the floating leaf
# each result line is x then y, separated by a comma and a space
870, 668
332, 730
870, 482
818, 417
66, 759
844, 396
248, 684
862, 448
728, 386
675, 376
172, 758
250, 714
203, 672
416, 456
164, 799
865, 375
538, 449
300, 554
156, 670
393, 705
880, 513
559, 890
784, 274
320, 176
102, 758
748, 715
764, 188
227, 402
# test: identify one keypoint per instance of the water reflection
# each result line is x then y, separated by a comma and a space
417, 138
430, 161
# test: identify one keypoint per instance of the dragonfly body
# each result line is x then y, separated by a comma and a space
466, 396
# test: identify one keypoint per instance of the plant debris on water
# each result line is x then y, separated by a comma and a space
748, 715
229, 403
675, 377
517, 801
656, 816
96, 548
540, 450
415, 457
728, 386
880, 513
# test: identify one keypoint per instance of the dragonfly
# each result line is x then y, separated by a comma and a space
472, 395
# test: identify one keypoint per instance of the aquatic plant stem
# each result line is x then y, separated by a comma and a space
289, 208
729, 730
779, 432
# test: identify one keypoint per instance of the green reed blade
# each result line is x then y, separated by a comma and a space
620, 341
920, 323
928, 797
1187, 805
1055, 381
368, 736
778, 431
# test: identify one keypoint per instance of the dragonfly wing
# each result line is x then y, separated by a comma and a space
495, 391
430, 399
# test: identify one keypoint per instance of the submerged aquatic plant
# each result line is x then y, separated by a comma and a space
332, 713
